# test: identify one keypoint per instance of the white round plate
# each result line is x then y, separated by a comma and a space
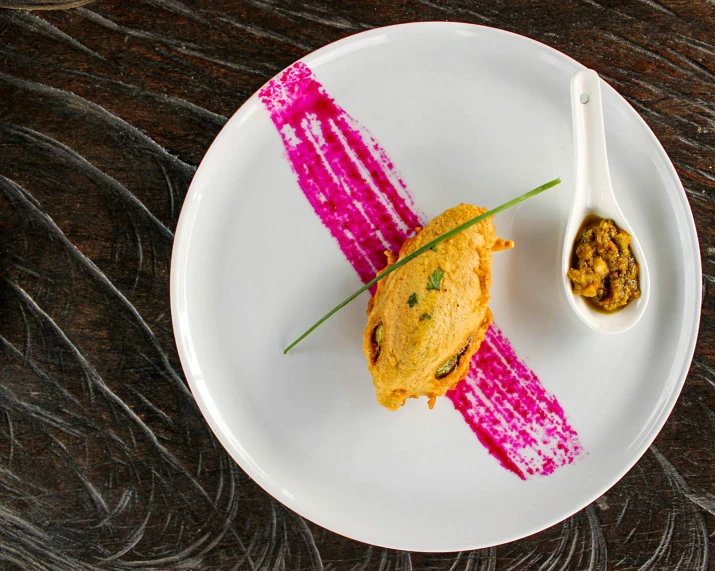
467, 114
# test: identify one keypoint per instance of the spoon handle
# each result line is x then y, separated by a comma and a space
592, 174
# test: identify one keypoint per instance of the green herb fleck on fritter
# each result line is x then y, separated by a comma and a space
435, 280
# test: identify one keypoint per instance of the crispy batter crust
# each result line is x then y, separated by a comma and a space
413, 347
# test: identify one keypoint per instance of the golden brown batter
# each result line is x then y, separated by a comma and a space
429, 317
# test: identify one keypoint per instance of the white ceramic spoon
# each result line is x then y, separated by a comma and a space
594, 196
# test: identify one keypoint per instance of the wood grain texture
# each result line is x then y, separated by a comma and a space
105, 111
43, 4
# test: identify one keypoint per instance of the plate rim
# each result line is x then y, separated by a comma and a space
177, 289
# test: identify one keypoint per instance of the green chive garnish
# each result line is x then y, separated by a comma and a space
421, 250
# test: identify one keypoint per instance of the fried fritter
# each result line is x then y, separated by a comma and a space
429, 317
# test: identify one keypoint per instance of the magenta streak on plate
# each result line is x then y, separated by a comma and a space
358, 195
347, 180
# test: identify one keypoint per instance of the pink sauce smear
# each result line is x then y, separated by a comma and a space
361, 199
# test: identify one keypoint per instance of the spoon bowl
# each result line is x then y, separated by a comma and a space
594, 196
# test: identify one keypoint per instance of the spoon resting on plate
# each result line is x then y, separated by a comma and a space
594, 198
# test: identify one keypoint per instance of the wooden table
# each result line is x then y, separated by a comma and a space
106, 109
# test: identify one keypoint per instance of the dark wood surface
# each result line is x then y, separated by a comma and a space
106, 109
